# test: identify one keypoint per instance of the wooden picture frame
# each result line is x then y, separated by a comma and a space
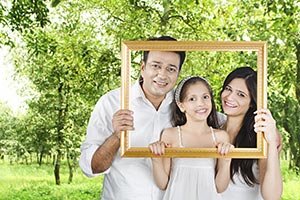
260, 47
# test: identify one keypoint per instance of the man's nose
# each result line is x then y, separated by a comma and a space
162, 71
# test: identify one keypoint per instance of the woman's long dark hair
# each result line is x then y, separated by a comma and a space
246, 137
178, 117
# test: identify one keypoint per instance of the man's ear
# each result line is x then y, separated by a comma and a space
143, 66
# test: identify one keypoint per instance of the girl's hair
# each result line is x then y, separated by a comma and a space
246, 137
178, 117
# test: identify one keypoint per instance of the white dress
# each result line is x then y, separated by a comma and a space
192, 178
240, 190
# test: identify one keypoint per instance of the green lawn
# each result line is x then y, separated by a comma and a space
291, 183
31, 182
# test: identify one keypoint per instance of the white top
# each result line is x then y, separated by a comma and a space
240, 190
127, 178
192, 178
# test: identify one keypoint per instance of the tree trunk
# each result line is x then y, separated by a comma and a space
297, 114
57, 168
41, 157
60, 126
69, 159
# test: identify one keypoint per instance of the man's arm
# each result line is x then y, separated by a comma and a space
104, 155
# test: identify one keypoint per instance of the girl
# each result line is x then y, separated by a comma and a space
195, 122
251, 179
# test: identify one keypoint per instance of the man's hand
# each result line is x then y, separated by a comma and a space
122, 121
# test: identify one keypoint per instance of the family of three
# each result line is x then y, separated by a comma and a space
161, 118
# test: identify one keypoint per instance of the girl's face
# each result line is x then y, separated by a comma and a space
236, 98
197, 102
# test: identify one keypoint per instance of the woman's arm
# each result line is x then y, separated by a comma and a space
269, 168
270, 174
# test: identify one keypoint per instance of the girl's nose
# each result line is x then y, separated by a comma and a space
200, 101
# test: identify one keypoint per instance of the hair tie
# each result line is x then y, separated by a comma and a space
180, 85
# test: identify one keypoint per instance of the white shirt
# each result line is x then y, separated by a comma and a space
127, 178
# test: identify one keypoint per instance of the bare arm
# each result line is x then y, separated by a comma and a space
161, 167
104, 155
222, 178
161, 171
269, 168
223, 174
271, 179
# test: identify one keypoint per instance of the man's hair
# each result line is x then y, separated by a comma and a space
165, 38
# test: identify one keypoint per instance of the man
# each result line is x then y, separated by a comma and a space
151, 97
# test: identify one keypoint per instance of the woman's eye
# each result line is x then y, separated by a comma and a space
241, 94
192, 99
227, 88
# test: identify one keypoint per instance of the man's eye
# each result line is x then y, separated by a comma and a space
171, 69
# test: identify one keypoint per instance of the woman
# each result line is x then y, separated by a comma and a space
250, 178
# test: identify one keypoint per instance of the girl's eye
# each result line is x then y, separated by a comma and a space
206, 96
192, 99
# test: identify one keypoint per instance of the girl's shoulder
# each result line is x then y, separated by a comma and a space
170, 134
222, 135
219, 131
170, 131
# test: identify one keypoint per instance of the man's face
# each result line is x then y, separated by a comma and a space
160, 74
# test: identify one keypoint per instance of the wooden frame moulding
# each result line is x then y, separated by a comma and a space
260, 47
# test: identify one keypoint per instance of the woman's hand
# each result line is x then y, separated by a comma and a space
264, 122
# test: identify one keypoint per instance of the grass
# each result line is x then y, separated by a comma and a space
24, 182
27, 182
291, 183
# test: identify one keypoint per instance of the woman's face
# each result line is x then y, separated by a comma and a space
236, 98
